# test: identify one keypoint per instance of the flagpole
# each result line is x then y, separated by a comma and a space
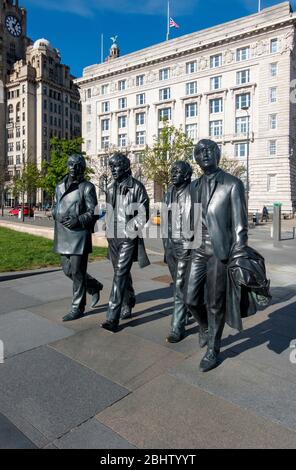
102, 48
259, 6
168, 22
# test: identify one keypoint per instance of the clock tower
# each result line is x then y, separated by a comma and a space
13, 42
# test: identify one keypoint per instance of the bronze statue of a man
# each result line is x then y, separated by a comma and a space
73, 211
177, 242
224, 230
127, 213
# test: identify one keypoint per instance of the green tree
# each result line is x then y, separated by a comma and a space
171, 145
55, 170
3, 180
27, 183
231, 165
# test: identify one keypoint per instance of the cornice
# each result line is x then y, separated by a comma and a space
86, 80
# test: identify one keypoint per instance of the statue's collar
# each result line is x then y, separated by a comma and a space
126, 183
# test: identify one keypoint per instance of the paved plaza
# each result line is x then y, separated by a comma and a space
75, 385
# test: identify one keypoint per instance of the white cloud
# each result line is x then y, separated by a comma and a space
144, 7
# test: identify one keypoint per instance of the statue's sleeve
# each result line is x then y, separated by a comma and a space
143, 203
90, 199
54, 207
239, 215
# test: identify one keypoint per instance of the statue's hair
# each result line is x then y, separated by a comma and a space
122, 157
185, 167
208, 143
79, 158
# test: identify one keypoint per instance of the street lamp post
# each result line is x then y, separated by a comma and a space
246, 108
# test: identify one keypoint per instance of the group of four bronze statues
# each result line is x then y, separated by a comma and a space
216, 276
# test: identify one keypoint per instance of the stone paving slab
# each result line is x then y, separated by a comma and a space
46, 291
52, 392
8, 408
92, 435
20, 278
275, 326
146, 293
171, 414
266, 390
55, 310
11, 437
22, 330
12, 300
126, 359
156, 326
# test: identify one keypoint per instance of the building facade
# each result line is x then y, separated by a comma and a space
13, 43
41, 101
230, 83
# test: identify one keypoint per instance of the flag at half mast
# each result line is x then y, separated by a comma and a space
173, 24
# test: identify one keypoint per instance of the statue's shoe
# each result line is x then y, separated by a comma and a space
110, 326
126, 313
175, 337
73, 316
209, 361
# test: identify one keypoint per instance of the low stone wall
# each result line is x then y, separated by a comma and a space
47, 232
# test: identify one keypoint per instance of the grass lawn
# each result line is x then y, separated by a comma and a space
20, 251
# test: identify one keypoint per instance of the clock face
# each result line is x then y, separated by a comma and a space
13, 26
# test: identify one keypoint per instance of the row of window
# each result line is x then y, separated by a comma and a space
10, 132
18, 160
54, 121
191, 110
122, 122
17, 174
122, 140
10, 117
242, 100
56, 95
18, 146
241, 148
54, 107
10, 112
216, 60
15, 93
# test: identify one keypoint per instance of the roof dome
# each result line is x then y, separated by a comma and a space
42, 42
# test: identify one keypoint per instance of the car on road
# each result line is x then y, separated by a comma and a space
15, 211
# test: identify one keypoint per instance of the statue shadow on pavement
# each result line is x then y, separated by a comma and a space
276, 331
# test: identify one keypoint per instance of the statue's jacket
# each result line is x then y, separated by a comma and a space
133, 209
226, 213
175, 219
247, 285
80, 201
227, 223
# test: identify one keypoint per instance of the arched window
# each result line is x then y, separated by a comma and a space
1, 92
18, 112
10, 113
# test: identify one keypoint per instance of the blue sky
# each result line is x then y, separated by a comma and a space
75, 26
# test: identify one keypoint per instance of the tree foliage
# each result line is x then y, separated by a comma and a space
230, 165
56, 169
172, 145
28, 182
